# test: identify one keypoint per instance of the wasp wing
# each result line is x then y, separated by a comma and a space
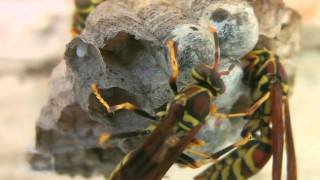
277, 130
159, 151
291, 156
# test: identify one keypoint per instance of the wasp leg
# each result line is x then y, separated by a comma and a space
225, 150
227, 72
197, 142
185, 160
105, 137
171, 45
242, 141
125, 105
199, 153
249, 112
215, 156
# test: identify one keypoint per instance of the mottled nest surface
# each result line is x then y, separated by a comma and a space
122, 49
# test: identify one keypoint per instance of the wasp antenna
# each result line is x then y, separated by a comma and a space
213, 30
171, 45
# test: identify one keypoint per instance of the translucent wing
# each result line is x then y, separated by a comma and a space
291, 156
277, 130
159, 151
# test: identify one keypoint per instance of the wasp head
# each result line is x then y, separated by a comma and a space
209, 78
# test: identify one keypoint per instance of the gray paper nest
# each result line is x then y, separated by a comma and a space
122, 49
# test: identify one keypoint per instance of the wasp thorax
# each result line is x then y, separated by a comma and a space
208, 77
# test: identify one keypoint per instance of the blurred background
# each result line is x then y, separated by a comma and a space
33, 35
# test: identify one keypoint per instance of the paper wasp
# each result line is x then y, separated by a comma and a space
83, 9
157, 153
196, 112
268, 119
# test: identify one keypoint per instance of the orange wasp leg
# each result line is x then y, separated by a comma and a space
249, 112
216, 155
209, 158
197, 142
126, 105
105, 137
198, 153
225, 150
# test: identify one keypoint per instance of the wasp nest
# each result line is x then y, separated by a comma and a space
122, 49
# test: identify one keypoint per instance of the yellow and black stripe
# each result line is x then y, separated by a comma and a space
263, 71
82, 9
120, 164
197, 107
243, 162
196, 111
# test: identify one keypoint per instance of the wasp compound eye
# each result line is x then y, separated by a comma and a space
216, 82
201, 72
209, 77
